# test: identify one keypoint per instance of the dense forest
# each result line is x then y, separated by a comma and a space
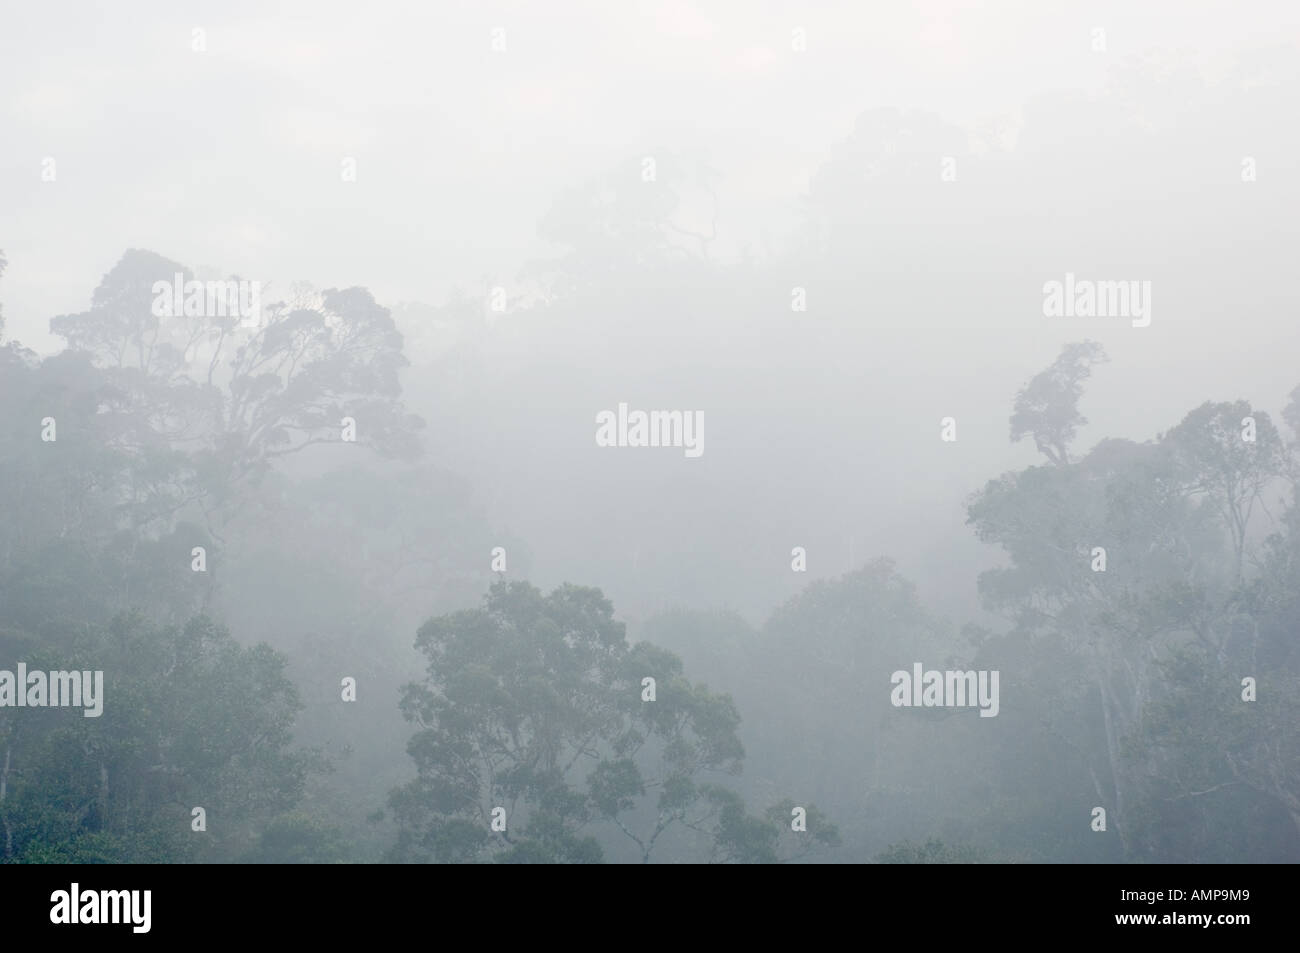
363, 587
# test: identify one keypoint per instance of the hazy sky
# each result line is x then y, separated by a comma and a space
230, 158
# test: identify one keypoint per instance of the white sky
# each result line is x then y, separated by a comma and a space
230, 158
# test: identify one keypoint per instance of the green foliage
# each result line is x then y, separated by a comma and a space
190, 719
534, 703
299, 838
933, 851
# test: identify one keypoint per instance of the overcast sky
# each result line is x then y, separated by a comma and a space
230, 158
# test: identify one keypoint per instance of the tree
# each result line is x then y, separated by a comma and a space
818, 686
535, 705
1225, 469
160, 428
1224, 771
234, 398
1219, 755
1291, 413
1163, 577
299, 838
629, 217
1047, 407
933, 851
1171, 517
190, 719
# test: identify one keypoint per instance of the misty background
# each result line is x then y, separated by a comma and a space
920, 173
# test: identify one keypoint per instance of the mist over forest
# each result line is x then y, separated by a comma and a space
699, 433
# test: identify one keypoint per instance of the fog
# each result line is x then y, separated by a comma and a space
580, 433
